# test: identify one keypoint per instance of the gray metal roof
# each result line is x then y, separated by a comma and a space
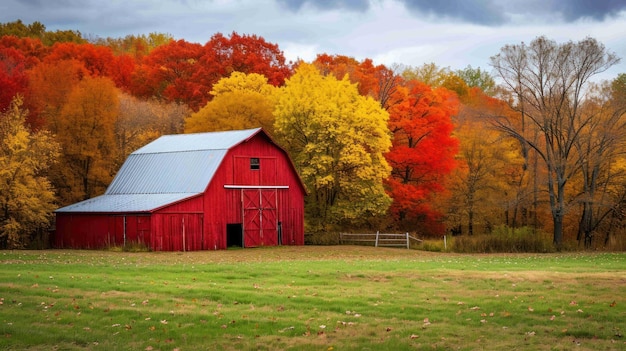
166, 172
125, 203
199, 141
169, 169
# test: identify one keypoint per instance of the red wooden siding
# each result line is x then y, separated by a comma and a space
94, 231
259, 210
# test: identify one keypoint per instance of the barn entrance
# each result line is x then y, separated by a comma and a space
259, 216
234, 235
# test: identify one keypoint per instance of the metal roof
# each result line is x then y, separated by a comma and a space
166, 172
169, 169
125, 203
196, 142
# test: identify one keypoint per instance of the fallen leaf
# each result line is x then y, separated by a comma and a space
413, 336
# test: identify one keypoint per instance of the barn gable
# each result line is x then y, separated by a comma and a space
161, 181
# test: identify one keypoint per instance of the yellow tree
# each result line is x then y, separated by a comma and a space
337, 139
240, 101
26, 195
86, 131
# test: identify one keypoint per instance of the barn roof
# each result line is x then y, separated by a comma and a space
167, 170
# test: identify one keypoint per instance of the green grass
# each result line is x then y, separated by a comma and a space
311, 298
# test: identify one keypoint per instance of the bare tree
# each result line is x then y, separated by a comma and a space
548, 82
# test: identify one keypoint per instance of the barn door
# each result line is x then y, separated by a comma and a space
259, 217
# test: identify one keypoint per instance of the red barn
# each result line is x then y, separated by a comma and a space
186, 192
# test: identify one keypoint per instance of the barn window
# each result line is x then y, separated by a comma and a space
254, 163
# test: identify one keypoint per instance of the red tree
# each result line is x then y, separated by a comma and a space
423, 150
13, 79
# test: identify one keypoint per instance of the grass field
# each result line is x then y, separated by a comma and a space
311, 298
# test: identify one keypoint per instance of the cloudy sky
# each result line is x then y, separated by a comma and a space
450, 33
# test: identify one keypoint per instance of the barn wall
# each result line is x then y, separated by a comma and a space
178, 227
95, 231
223, 206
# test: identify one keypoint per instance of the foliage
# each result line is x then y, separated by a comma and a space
136, 46
546, 82
38, 30
85, 129
241, 101
423, 151
50, 84
186, 72
475, 77
142, 121
485, 188
13, 79
337, 139
26, 195
310, 298
378, 82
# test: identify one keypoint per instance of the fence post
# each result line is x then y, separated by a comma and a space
445, 244
407, 240
376, 244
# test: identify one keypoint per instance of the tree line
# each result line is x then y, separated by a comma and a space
423, 149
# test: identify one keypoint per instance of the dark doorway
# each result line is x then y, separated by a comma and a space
234, 234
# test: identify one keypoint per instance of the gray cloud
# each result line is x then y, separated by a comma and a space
353, 5
593, 9
485, 12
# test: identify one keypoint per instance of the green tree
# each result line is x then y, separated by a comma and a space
26, 195
475, 77
337, 139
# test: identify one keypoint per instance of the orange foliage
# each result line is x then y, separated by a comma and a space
13, 78
423, 150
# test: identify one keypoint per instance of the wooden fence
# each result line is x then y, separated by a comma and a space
377, 239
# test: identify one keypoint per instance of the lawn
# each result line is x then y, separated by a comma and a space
311, 298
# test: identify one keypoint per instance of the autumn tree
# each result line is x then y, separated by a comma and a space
13, 78
137, 46
141, 121
26, 195
86, 131
242, 53
38, 30
337, 139
166, 74
50, 84
475, 77
423, 150
240, 101
376, 81
547, 82
485, 186
600, 144
33, 49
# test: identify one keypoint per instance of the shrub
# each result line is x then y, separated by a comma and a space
504, 239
